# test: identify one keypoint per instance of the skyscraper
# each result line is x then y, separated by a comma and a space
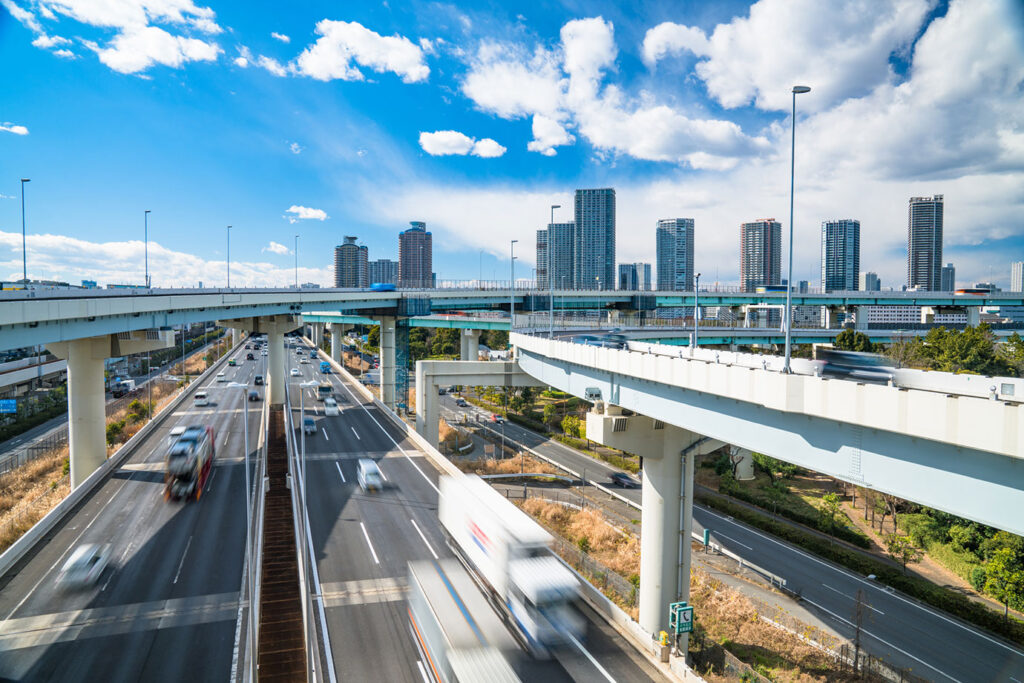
384, 270
948, 278
760, 254
635, 277
594, 239
924, 243
840, 255
350, 264
869, 282
555, 255
1017, 276
415, 256
674, 238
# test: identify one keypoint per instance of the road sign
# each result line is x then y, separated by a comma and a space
680, 617
489, 450
8, 405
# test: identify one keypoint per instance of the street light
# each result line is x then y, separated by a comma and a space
248, 521
146, 217
696, 311
512, 286
797, 90
229, 257
24, 258
551, 280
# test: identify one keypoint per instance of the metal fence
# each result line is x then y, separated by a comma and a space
599, 575
37, 449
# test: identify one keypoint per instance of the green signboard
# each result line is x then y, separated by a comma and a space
680, 618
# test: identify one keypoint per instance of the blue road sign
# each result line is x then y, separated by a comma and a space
8, 405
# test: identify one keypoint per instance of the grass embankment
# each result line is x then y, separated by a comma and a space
506, 466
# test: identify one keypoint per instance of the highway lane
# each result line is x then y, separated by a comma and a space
903, 631
171, 596
364, 542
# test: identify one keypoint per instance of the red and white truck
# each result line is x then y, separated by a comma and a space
189, 462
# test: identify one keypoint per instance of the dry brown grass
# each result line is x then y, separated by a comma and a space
616, 549
29, 492
506, 466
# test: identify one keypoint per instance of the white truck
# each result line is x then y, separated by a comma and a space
512, 553
458, 635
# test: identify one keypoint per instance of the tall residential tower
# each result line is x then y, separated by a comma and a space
674, 237
554, 256
415, 256
924, 243
840, 255
594, 239
760, 254
350, 264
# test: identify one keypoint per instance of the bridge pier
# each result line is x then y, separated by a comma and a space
469, 345
387, 360
87, 419
337, 335
275, 327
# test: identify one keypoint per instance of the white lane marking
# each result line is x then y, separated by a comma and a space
382, 475
825, 585
325, 433
865, 582
589, 656
210, 482
183, 556
423, 672
340, 473
425, 541
719, 533
356, 433
367, 536
885, 642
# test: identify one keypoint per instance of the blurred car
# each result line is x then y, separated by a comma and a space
258, 380
249, 356
368, 475
308, 425
85, 566
855, 365
304, 361
232, 363
330, 407
624, 480
497, 418
295, 372
461, 402
174, 434
221, 377
263, 352
254, 395
441, 391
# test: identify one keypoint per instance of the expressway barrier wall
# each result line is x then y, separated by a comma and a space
23, 545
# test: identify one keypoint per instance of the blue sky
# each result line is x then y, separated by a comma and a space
330, 120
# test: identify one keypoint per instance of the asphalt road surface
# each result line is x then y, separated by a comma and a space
901, 630
364, 541
168, 607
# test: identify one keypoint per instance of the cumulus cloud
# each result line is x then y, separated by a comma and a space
842, 49
136, 51
11, 128
280, 36
300, 213
295, 148
548, 134
244, 57
272, 65
45, 42
343, 46
452, 142
276, 248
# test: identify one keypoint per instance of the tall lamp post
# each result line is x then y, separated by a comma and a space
512, 286
696, 311
146, 218
24, 257
229, 257
551, 280
797, 90
250, 578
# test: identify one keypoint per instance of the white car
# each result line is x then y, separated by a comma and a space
304, 361
85, 566
369, 475
295, 372
330, 407
263, 352
221, 377
201, 399
172, 438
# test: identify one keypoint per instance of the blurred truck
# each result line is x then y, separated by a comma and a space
512, 553
122, 387
458, 635
189, 462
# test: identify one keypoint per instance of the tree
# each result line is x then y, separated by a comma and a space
1012, 353
373, 336
829, 511
1004, 579
908, 352
550, 414
848, 340
902, 550
773, 467
571, 425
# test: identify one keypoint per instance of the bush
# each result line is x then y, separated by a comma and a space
923, 529
114, 431
961, 564
527, 422
723, 465
978, 577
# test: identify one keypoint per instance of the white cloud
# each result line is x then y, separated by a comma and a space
511, 82
140, 49
11, 128
137, 14
427, 46
548, 134
343, 45
295, 148
841, 49
300, 213
276, 248
66, 54
244, 57
452, 142
22, 15
280, 36
272, 65
44, 41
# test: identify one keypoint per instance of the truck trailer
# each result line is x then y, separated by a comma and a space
189, 462
512, 554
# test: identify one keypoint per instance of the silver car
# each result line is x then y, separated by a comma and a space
85, 566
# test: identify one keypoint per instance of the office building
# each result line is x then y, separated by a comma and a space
924, 243
555, 256
594, 239
350, 264
383, 270
635, 277
948, 278
415, 257
840, 255
674, 245
869, 282
987, 286
760, 254
1017, 276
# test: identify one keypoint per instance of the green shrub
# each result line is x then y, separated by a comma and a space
923, 529
961, 564
978, 577
114, 430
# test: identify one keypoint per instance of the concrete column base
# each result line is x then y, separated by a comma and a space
387, 360
276, 377
469, 345
337, 335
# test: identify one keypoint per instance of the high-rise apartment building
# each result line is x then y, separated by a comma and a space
635, 277
350, 264
869, 282
594, 239
384, 270
948, 278
1017, 276
760, 254
674, 248
555, 256
924, 243
415, 256
840, 255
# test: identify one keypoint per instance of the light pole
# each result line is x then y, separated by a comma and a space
551, 280
696, 311
250, 580
24, 257
512, 286
146, 218
797, 90
229, 257
296, 262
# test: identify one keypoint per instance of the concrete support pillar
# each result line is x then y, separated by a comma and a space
275, 366
234, 337
659, 535
744, 461
86, 407
428, 407
685, 534
973, 315
387, 361
337, 334
469, 345
860, 318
